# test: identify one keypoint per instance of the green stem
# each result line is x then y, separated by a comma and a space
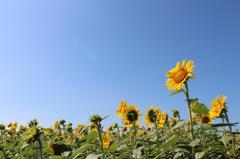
190, 116
190, 111
230, 128
100, 138
227, 119
40, 149
156, 127
134, 133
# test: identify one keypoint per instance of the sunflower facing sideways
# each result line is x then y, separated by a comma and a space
218, 104
179, 75
122, 108
162, 119
106, 140
132, 116
151, 116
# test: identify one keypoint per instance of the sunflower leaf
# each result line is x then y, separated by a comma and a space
176, 92
200, 108
195, 142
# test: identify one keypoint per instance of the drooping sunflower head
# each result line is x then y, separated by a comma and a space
162, 119
179, 75
151, 115
175, 113
132, 116
106, 140
96, 119
218, 104
122, 108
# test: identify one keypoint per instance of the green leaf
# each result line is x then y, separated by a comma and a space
105, 117
199, 155
176, 92
224, 124
92, 136
171, 141
66, 153
200, 108
226, 139
113, 147
194, 142
94, 156
79, 151
137, 153
179, 124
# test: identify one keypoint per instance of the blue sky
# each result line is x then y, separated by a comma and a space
70, 59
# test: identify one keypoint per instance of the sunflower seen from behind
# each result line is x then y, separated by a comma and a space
179, 75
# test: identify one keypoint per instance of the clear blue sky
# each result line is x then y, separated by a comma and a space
70, 59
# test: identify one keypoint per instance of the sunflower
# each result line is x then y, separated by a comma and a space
14, 126
142, 132
151, 116
122, 108
112, 127
218, 104
205, 118
56, 125
78, 130
162, 119
123, 129
106, 140
132, 116
172, 122
179, 75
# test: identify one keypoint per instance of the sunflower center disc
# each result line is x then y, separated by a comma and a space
180, 75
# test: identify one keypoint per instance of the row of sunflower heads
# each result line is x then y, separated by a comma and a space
130, 114
154, 117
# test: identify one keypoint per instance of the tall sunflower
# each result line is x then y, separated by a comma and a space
132, 116
122, 108
179, 75
162, 119
218, 104
151, 116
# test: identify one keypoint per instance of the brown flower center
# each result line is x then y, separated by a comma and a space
180, 75
205, 119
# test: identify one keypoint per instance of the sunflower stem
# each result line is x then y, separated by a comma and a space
190, 116
230, 129
227, 119
190, 111
100, 138
134, 133
156, 127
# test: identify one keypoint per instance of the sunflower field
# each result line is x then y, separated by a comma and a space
162, 136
